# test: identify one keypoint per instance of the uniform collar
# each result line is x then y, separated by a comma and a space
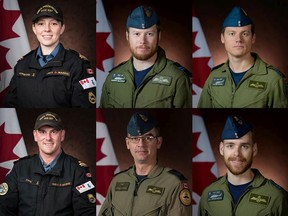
43, 60
156, 171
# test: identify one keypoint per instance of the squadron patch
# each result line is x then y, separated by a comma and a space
185, 197
91, 198
3, 189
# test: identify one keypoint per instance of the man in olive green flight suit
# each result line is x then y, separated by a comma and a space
243, 191
146, 188
148, 79
244, 81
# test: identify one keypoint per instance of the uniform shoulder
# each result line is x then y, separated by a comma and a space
74, 52
78, 163
123, 171
25, 158
277, 186
118, 66
183, 69
26, 55
216, 67
271, 67
178, 174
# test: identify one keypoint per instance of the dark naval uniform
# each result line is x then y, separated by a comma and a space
262, 197
164, 192
261, 87
65, 190
165, 86
65, 81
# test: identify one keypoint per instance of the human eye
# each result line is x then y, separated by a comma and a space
135, 139
229, 146
245, 147
41, 132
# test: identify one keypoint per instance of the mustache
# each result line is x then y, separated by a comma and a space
242, 159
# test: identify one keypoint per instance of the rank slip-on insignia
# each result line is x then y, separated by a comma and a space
259, 199
215, 195
218, 81
3, 189
185, 197
155, 190
122, 186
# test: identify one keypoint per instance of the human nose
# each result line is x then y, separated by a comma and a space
238, 37
47, 27
48, 136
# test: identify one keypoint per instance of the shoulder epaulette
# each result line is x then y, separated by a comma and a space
217, 66
79, 55
276, 70
29, 53
183, 69
277, 186
23, 158
131, 167
122, 63
178, 174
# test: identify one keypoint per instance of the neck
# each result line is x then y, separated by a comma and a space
47, 50
242, 64
144, 169
240, 179
144, 64
47, 158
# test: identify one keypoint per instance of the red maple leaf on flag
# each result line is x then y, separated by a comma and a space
103, 49
6, 151
10, 18
100, 155
4, 64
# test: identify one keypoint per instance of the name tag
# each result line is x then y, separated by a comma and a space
215, 195
120, 78
60, 73
218, 81
122, 186
257, 84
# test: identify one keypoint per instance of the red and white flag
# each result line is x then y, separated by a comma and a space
201, 59
13, 42
12, 144
104, 48
106, 162
204, 167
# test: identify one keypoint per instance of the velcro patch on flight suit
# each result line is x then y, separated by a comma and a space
120, 78
155, 190
122, 186
3, 188
162, 80
185, 197
259, 199
218, 81
257, 84
217, 195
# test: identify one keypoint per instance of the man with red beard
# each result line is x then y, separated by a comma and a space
148, 79
244, 190
146, 188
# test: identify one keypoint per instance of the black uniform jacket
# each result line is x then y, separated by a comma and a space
29, 191
54, 85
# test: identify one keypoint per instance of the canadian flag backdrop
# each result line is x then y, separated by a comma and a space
106, 162
201, 59
104, 48
12, 144
204, 167
13, 42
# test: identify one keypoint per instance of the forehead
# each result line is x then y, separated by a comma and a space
152, 28
239, 29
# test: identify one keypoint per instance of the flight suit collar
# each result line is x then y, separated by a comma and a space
156, 171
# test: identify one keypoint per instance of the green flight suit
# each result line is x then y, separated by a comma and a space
261, 87
262, 198
165, 86
164, 192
